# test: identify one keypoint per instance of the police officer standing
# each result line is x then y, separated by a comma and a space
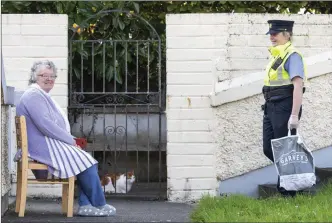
283, 88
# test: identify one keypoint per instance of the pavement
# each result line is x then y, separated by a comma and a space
49, 210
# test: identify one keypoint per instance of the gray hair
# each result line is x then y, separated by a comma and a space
37, 66
289, 35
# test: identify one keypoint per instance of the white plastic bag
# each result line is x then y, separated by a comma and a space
294, 162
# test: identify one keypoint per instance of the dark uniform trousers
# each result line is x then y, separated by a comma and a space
275, 122
275, 125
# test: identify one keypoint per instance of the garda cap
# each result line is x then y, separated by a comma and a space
277, 26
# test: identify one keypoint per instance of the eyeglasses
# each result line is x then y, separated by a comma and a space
47, 76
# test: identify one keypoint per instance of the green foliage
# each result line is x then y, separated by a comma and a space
119, 26
117, 61
237, 208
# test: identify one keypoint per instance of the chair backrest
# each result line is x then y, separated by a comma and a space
22, 137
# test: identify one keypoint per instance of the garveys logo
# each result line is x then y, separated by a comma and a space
293, 157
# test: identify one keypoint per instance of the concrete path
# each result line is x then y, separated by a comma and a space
127, 211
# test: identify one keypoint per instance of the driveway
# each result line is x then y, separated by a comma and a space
49, 210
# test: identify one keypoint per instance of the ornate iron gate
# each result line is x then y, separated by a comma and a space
115, 102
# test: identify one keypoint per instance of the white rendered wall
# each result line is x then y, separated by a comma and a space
30, 37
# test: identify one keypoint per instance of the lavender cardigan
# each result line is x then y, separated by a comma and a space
49, 141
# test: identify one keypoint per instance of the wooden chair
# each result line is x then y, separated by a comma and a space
24, 165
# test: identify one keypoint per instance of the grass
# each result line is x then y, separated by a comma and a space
238, 208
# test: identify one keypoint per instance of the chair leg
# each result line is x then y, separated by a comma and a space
65, 188
70, 202
23, 194
18, 187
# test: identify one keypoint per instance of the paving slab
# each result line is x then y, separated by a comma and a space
49, 210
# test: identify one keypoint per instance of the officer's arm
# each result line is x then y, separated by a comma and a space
297, 94
295, 69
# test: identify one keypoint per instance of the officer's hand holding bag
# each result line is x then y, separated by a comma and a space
293, 122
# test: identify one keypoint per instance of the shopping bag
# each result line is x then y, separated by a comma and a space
294, 162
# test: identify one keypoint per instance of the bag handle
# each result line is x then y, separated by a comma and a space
289, 132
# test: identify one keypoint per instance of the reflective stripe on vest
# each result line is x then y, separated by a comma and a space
280, 80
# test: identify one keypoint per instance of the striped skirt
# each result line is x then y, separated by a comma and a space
67, 160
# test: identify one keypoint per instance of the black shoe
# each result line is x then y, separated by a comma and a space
285, 193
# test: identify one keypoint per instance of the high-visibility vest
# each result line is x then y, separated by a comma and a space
275, 73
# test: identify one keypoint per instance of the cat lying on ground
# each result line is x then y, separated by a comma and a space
120, 182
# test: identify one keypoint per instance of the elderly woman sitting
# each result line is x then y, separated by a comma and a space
51, 143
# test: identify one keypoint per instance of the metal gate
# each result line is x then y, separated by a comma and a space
115, 102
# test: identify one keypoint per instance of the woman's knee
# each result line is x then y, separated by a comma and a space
92, 170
